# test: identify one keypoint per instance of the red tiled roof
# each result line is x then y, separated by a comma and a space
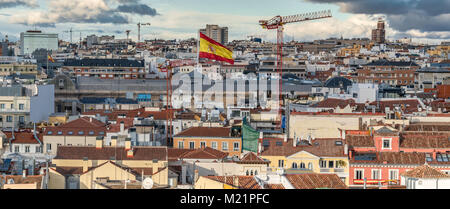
425, 171
205, 132
24, 137
334, 103
325, 147
273, 186
399, 158
105, 153
424, 140
359, 141
203, 153
79, 127
245, 182
252, 158
407, 106
315, 181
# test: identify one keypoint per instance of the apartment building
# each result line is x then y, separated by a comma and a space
220, 138
106, 68
395, 73
21, 105
219, 34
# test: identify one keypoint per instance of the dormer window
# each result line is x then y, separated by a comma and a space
59, 132
91, 132
50, 132
70, 132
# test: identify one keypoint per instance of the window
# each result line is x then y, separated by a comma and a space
49, 147
21, 106
27, 149
247, 173
16, 148
281, 163
310, 166
12, 106
393, 175
80, 132
9, 118
214, 145
70, 132
294, 165
236, 146
180, 145
38, 149
50, 132
101, 133
2, 106
359, 174
323, 164
302, 165
91, 132
202, 144
21, 119
191, 145
376, 174
224, 146
386, 143
59, 132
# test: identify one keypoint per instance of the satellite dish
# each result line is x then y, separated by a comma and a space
147, 183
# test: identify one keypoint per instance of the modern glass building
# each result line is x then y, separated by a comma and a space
32, 40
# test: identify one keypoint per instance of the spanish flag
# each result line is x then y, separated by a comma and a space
50, 58
211, 49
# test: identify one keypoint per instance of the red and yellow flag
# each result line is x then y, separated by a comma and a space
211, 49
50, 58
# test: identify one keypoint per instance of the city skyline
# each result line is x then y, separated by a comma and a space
177, 19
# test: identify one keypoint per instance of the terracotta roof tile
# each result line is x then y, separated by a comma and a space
425, 171
315, 181
202, 153
273, 186
245, 182
252, 158
205, 132
105, 153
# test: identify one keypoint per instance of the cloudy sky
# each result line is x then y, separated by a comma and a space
425, 21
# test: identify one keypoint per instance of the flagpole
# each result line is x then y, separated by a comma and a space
198, 49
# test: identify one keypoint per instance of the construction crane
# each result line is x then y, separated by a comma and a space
139, 30
277, 23
80, 31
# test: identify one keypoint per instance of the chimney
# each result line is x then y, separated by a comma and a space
128, 144
99, 142
122, 127
350, 154
195, 175
434, 154
236, 181
24, 173
155, 166
294, 142
259, 147
113, 141
130, 153
90, 119
285, 138
85, 164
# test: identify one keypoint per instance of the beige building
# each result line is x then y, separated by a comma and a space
87, 167
327, 125
80, 132
18, 68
